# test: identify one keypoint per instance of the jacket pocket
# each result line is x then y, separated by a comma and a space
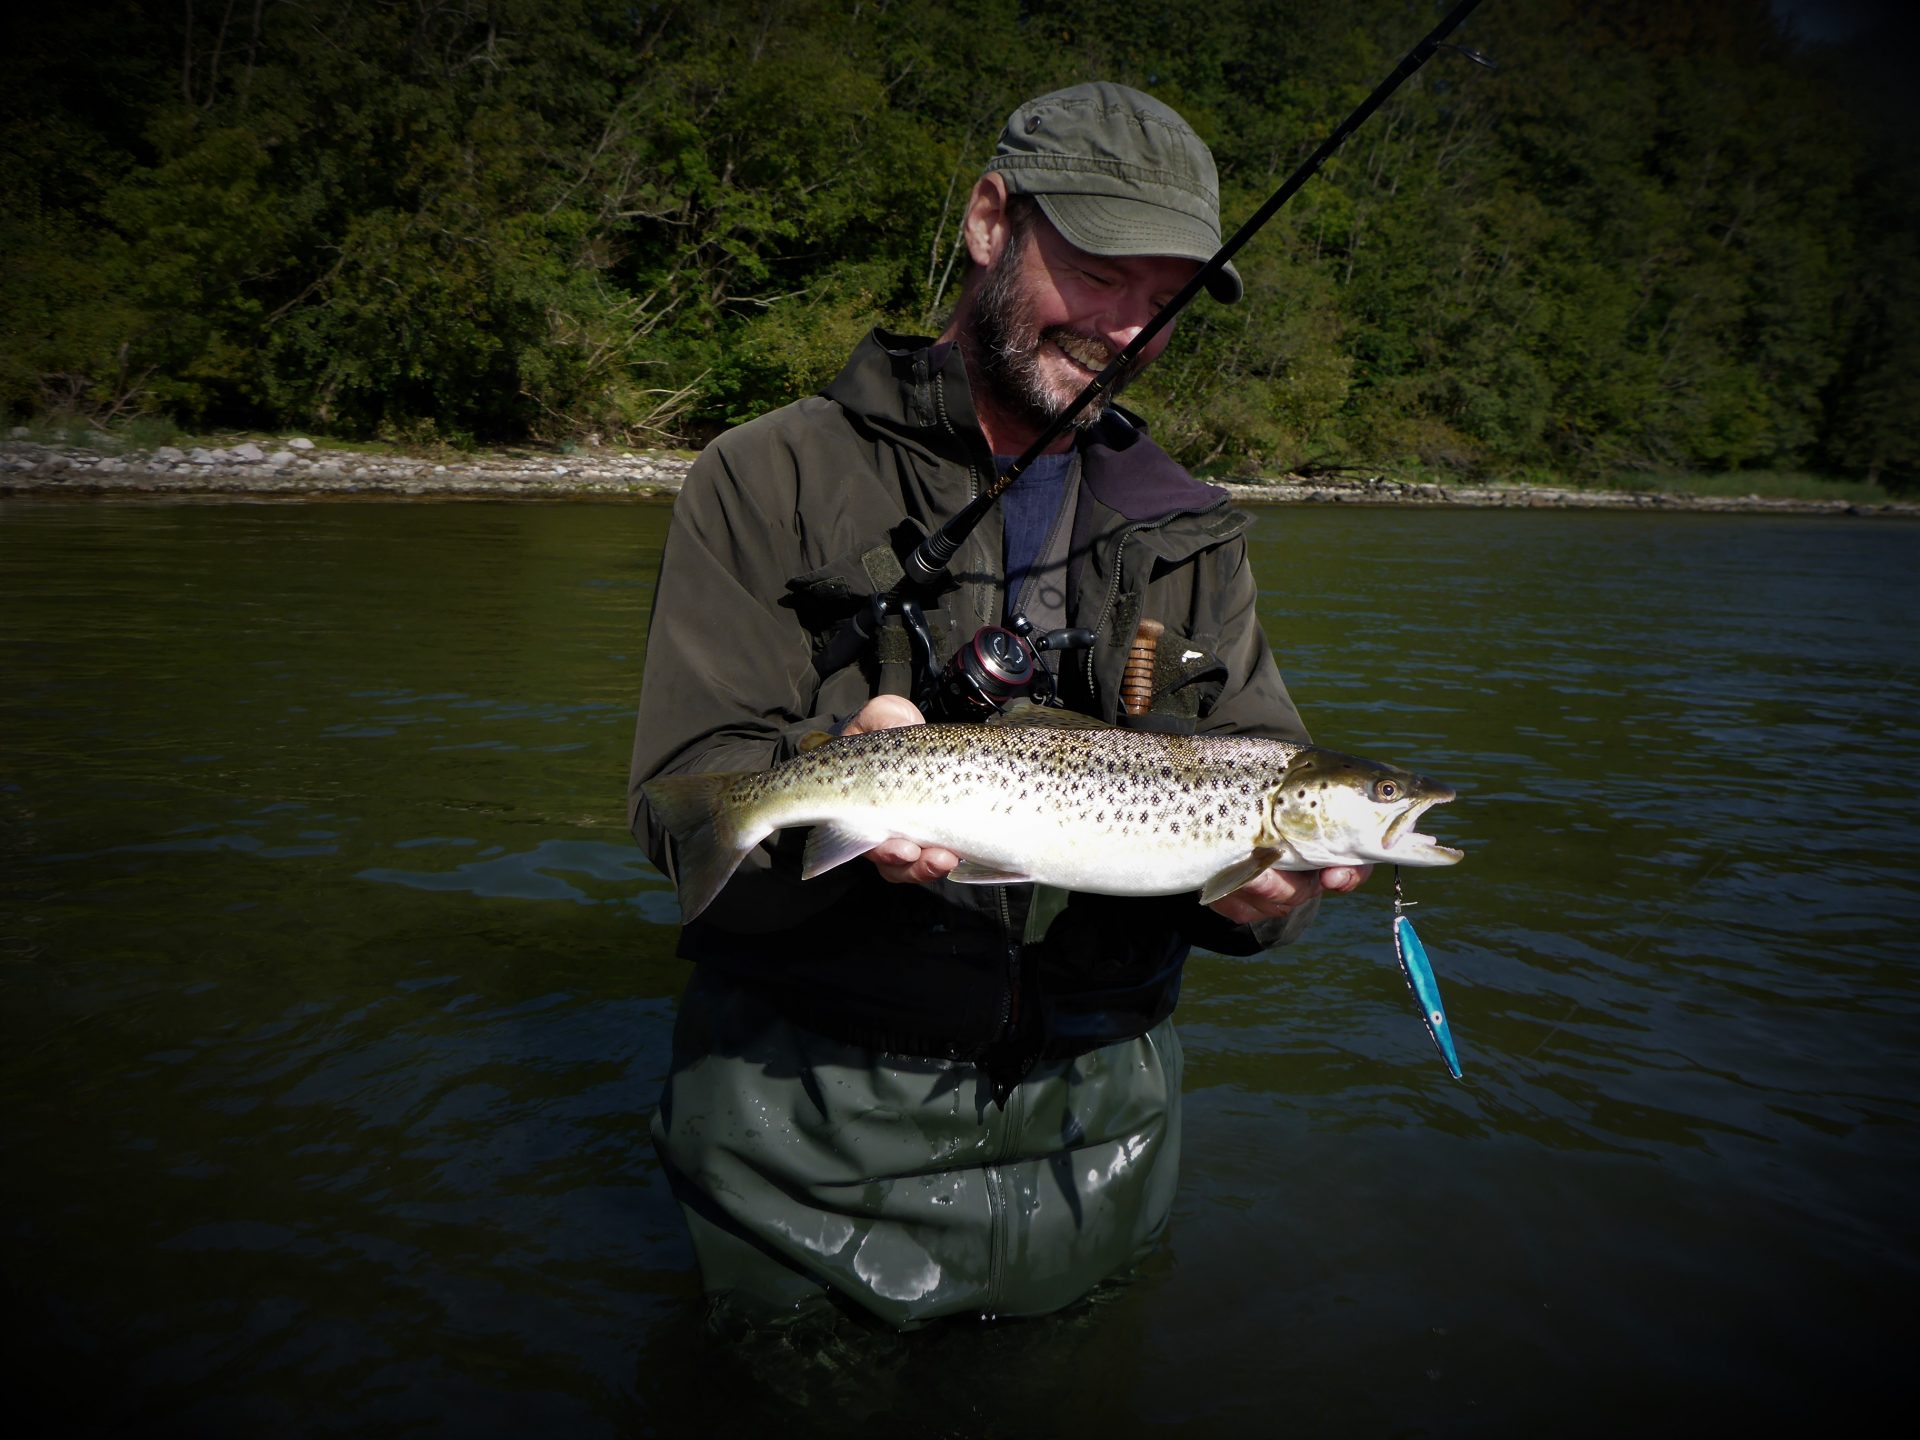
1188, 677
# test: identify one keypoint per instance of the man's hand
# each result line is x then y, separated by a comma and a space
900, 861
1273, 894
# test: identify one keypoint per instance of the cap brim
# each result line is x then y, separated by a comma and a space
1107, 225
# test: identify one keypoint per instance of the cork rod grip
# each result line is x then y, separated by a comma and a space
1136, 682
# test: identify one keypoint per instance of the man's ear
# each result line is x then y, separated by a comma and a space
984, 227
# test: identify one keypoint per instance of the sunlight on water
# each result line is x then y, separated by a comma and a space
336, 996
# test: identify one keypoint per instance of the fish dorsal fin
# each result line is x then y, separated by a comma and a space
1045, 717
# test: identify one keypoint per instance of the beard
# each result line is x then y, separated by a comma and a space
1008, 346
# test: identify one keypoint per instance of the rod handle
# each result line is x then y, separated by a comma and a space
1136, 681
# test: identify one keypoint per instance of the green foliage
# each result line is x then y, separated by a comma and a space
1658, 237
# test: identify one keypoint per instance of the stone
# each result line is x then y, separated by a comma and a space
169, 455
249, 452
281, 457
300, 444
20, 432
201, 456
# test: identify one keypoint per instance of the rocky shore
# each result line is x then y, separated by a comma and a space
298, 468
301, 469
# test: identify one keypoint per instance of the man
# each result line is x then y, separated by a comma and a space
920, 1097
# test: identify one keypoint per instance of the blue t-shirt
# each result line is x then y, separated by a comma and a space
1028, 510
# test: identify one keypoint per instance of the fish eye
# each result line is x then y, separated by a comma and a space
1386, 790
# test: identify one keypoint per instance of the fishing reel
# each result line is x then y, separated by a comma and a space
998, 667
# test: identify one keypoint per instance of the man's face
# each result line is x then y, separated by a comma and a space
1049, 317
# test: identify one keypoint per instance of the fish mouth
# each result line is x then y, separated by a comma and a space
1406, 846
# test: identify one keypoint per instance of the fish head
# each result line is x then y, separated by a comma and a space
1333, 809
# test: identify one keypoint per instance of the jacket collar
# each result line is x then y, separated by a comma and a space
1130, 474
915, 389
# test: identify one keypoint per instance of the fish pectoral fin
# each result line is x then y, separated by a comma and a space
1258, 862
972, 872
812, 740
834, 844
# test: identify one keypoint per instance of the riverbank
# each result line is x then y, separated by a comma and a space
298, 468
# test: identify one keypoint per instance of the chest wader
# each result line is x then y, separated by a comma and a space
808, 1168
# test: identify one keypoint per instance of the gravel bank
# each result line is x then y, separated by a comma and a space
301, 469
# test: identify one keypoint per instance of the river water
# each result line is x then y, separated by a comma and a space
333, 999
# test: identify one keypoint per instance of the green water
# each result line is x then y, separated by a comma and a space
335, 999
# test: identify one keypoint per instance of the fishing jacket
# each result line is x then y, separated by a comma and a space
785, 526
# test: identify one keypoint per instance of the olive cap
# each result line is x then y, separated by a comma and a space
1118, 173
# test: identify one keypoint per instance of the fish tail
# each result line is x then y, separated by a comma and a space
709, 839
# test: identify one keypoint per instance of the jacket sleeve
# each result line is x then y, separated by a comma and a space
728, 683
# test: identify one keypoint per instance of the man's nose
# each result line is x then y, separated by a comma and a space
1122, 335
1129, 317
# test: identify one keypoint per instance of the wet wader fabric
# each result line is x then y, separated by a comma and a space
804, 1164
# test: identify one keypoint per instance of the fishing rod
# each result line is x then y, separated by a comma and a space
1002, 664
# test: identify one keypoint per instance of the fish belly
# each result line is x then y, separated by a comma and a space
1108, 834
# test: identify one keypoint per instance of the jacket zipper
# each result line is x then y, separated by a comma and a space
1113, 597
946, 421
1010, 1010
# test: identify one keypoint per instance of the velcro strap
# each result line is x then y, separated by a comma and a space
883, 567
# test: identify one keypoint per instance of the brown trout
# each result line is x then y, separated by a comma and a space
1050, 797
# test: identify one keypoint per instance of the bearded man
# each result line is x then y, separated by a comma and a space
889, 1090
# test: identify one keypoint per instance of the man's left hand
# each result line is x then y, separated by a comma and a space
1274, 894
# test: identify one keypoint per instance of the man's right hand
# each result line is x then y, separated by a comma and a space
903, 862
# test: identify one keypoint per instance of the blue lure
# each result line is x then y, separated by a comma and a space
1420, 979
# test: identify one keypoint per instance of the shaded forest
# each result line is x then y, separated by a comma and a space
1658, 237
